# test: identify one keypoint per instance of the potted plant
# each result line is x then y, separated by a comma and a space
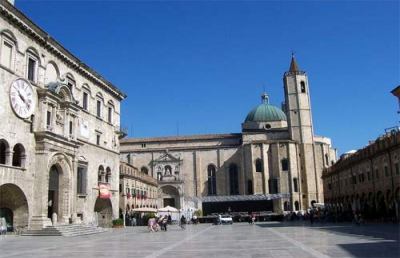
118, 223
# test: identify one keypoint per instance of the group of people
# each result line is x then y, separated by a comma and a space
160, 223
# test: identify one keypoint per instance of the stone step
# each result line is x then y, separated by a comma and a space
66, 230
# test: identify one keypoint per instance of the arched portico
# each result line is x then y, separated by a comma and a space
14, 206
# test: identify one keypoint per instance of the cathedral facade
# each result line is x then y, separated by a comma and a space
274, 164
59, 137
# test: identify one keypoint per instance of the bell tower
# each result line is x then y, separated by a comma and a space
298, 107
300, 126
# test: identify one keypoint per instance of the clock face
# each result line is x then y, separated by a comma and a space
22, 98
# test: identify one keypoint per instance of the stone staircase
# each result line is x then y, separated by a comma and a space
65, 230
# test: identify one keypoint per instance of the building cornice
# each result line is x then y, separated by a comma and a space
18, 19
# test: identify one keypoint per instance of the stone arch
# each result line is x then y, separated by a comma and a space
286, 206
14, 206
18, 159
4, 152
144, 170
59, 187
52, 73
170, 195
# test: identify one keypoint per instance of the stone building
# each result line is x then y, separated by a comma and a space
367, 180
137, 189
274, 164
59, 136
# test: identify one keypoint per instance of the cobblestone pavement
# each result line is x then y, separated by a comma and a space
267, 239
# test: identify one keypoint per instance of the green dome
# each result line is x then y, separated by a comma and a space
265, 112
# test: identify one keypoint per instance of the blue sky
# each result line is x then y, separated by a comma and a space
201, 66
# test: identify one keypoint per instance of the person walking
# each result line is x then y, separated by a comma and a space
165, 222
183, 222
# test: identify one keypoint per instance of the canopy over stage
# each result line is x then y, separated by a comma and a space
240, 198
240, 203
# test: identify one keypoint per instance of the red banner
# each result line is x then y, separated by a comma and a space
104, 191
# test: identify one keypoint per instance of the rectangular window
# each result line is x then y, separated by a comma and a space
396, 166
6, 54
296, 185
71, 129
81, 180
98, 139
98, 108
110, 115
377, 174
48, 120
85, 101
369, 175
273, 186
31, 69
285, 165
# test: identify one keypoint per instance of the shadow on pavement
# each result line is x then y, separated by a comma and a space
384, 238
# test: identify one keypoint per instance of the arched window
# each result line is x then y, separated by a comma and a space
212, 180
303, 87
295, 185
296, 205
233, 179
108, 175
101, 174
85, 97
286, 206
18, 156
285, 164
32, 64
99, 105
259, 165
4, 149
8, 49
167, 170
144, 170
70, 82
110, 112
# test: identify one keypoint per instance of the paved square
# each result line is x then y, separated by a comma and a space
270, 239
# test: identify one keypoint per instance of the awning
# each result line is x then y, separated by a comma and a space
145, 209
168, 209
239, 198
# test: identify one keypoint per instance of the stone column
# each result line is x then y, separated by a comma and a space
41, 185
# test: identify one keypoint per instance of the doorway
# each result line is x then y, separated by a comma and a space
53, 193
169, 202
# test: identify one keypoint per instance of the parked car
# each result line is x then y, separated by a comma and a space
225, 219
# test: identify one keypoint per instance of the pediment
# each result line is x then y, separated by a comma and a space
167, 158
